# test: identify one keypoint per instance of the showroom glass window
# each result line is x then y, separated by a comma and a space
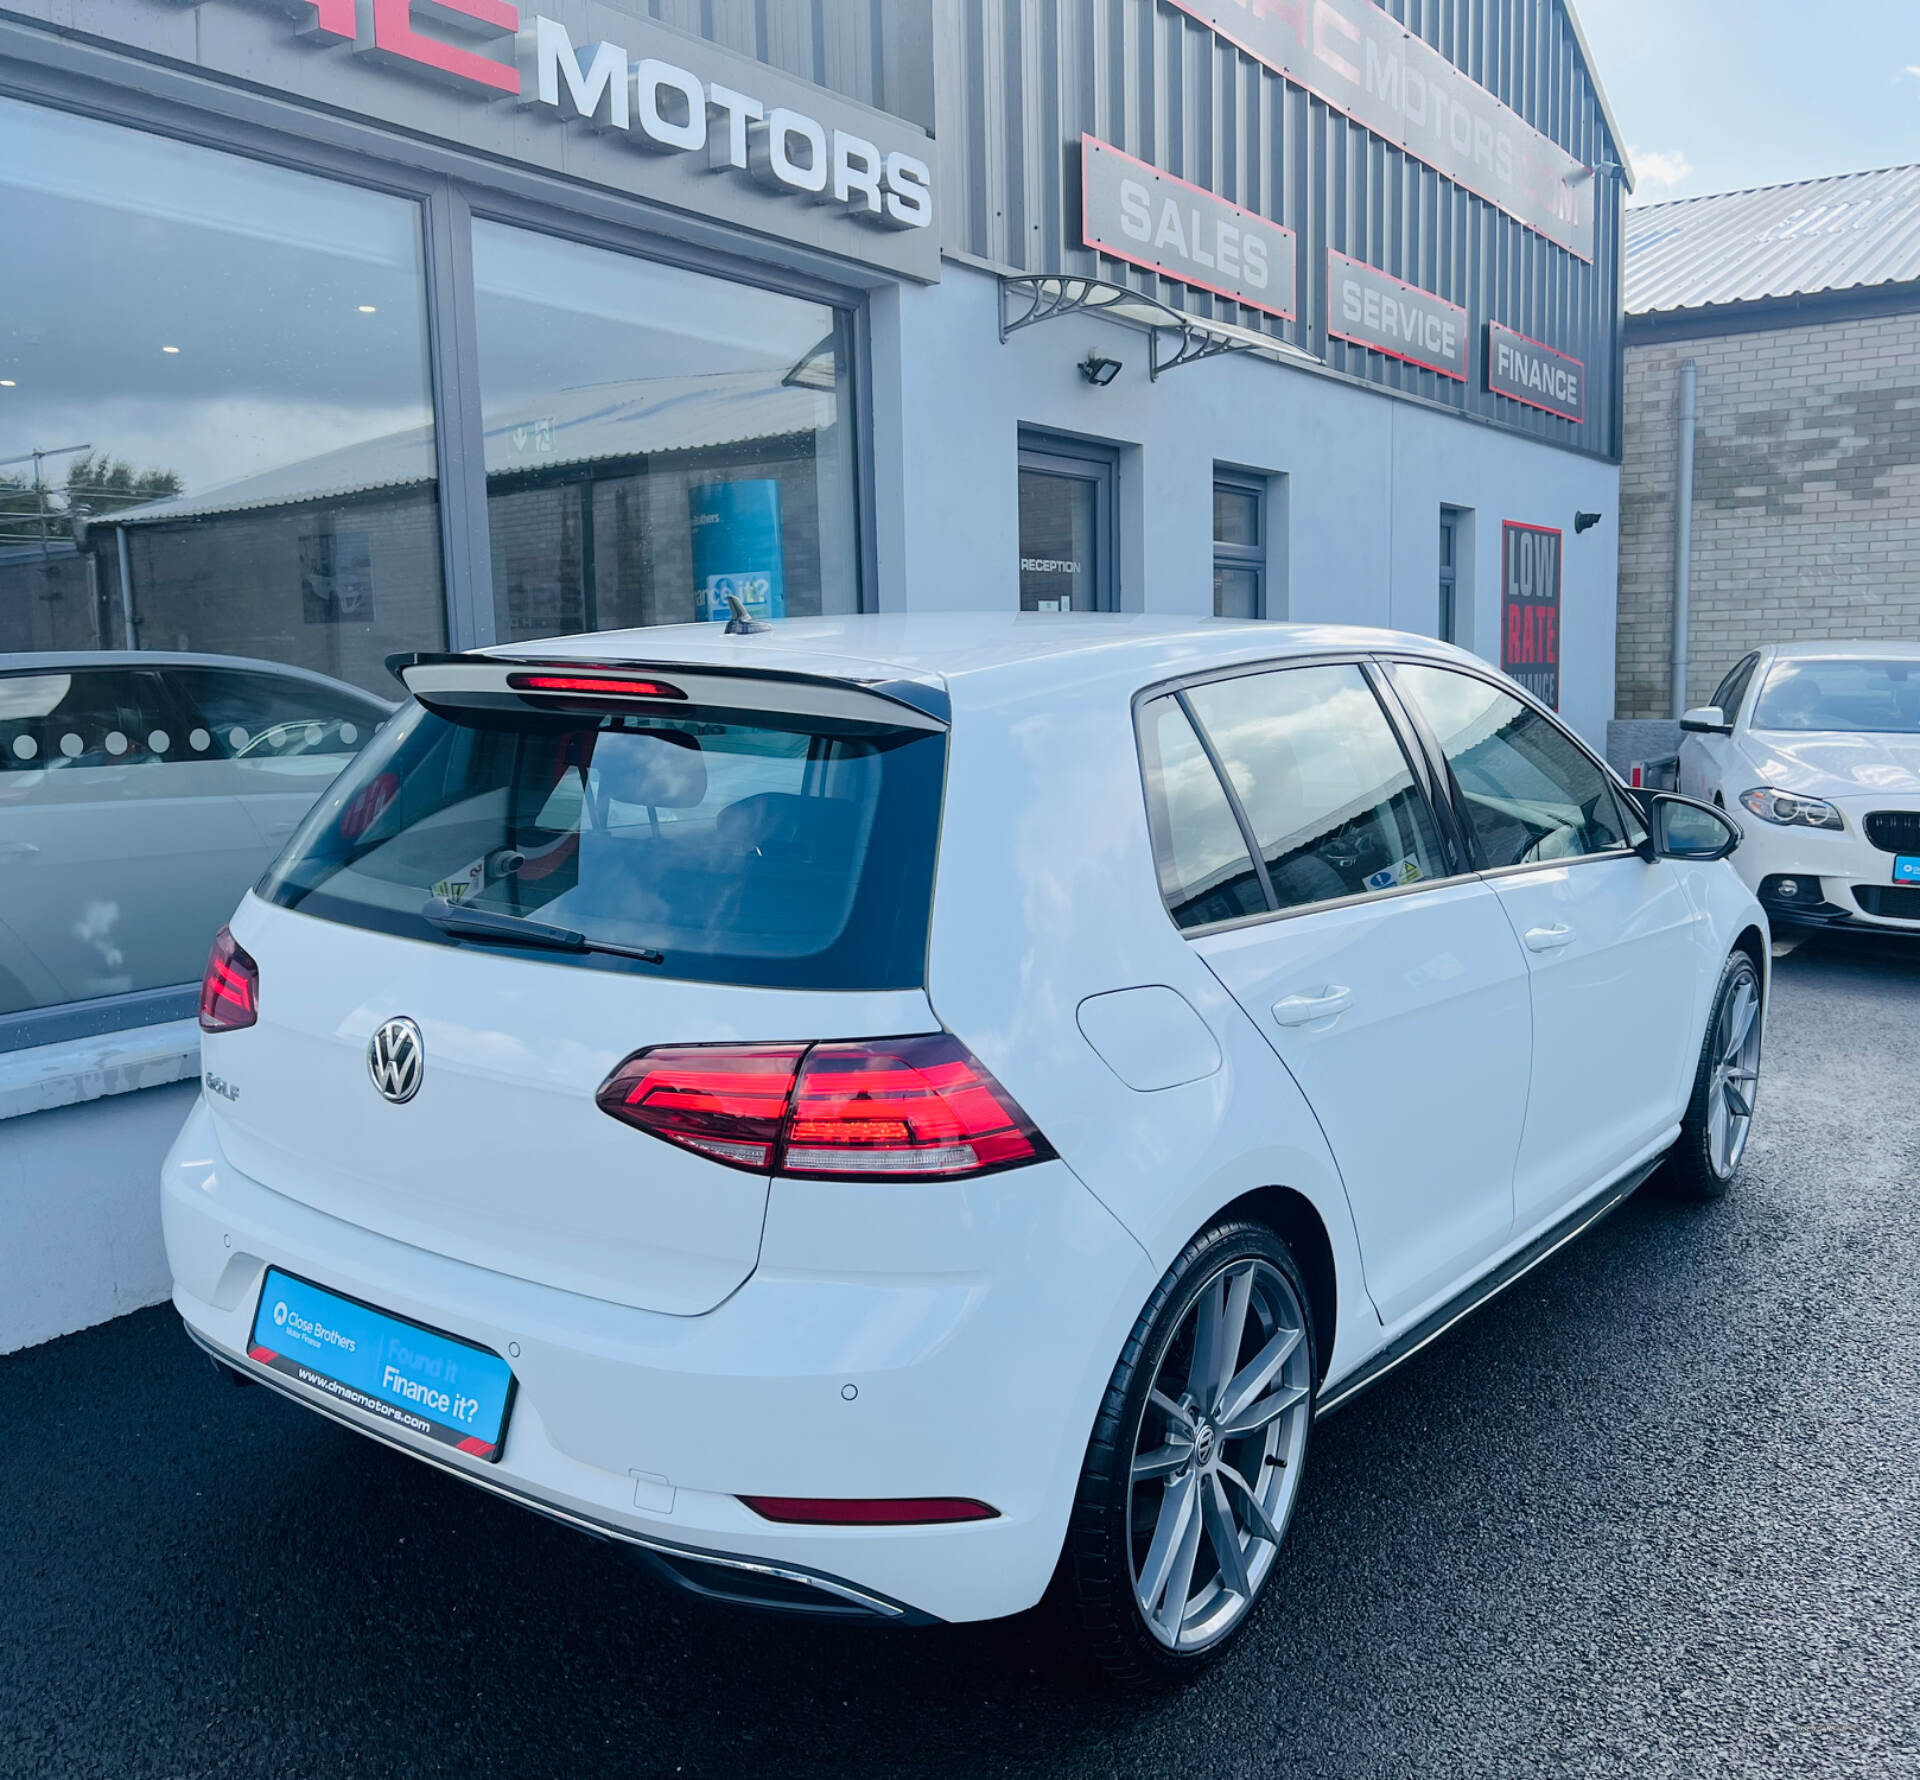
656, 439
226, 363
216, 437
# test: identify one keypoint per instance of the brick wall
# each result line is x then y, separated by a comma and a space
1806, 502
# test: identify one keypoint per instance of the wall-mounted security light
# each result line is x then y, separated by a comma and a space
1099, 371
1585, 522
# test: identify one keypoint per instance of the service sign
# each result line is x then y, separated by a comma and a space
1136, 213
1374, 309
1368, 66
1530, 609
1525, 370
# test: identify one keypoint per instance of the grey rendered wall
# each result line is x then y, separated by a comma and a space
1366, 478
1024, 78
1806, 515
80, 1212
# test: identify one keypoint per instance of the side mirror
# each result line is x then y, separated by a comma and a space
1706, 720
1685, 828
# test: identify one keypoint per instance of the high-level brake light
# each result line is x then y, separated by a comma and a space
230, 991
921, 1108
594, 685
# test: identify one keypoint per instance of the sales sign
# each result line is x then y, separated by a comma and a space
1374, 309
1368, 66
1530, 609
1136, 213
1525, 370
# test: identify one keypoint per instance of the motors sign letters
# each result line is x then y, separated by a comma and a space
488, 50
1530, 608
1371, 308
1136, 213
1525, 370
1368, 66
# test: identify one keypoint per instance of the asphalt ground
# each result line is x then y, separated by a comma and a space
1656, 1510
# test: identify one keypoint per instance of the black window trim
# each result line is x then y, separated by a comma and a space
1626, 812
1250, 557
1751, 663
1419, 769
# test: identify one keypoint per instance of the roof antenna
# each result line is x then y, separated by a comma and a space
739, 624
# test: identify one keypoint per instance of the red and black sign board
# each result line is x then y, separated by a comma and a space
1530, 609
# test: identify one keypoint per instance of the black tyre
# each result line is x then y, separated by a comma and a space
1719, 1117
1196, 1459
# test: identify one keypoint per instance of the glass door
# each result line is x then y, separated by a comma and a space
1066, 524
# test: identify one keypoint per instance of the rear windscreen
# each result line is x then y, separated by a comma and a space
785, 852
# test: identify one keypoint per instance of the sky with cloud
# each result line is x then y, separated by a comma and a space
1715, 95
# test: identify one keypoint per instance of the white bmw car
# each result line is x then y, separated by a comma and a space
1814, 750
878, 1113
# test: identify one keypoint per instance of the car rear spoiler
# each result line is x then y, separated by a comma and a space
452, 684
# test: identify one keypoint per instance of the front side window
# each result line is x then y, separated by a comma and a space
1327, 791
776, 851
657, 439
1531, 793
1841, 694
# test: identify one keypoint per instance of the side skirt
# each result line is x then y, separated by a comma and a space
1490, 1285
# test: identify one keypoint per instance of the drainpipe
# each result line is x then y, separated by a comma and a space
126, 588
1683, 531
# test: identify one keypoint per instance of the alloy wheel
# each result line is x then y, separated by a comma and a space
1217, 1455
1735, 1078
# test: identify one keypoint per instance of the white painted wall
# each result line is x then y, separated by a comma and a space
1367, 473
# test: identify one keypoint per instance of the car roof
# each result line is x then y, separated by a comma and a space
1880, 649
1060, 648
45, 661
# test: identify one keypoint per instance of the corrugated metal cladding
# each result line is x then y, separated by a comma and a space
1780, 241
876, 51
1034, 74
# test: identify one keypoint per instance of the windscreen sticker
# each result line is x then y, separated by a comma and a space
463, 883
1392, 877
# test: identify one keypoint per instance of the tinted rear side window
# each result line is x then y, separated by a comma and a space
780, 852
1327, 791
1206, 874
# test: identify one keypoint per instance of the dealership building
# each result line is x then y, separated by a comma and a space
336, 328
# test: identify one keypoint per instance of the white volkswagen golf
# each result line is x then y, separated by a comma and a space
1814, 749
879, 1113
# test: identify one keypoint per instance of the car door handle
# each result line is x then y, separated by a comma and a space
17, 849
1303, 1010
1549, 939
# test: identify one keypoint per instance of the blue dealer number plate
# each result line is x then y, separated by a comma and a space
1906, 869
415, 1378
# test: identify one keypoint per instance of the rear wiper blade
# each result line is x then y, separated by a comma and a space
470, 923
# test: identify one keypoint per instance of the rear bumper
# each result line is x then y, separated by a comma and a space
924, 1341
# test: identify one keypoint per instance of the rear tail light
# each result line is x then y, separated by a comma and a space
863, 1511
886, 1109
230, 991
